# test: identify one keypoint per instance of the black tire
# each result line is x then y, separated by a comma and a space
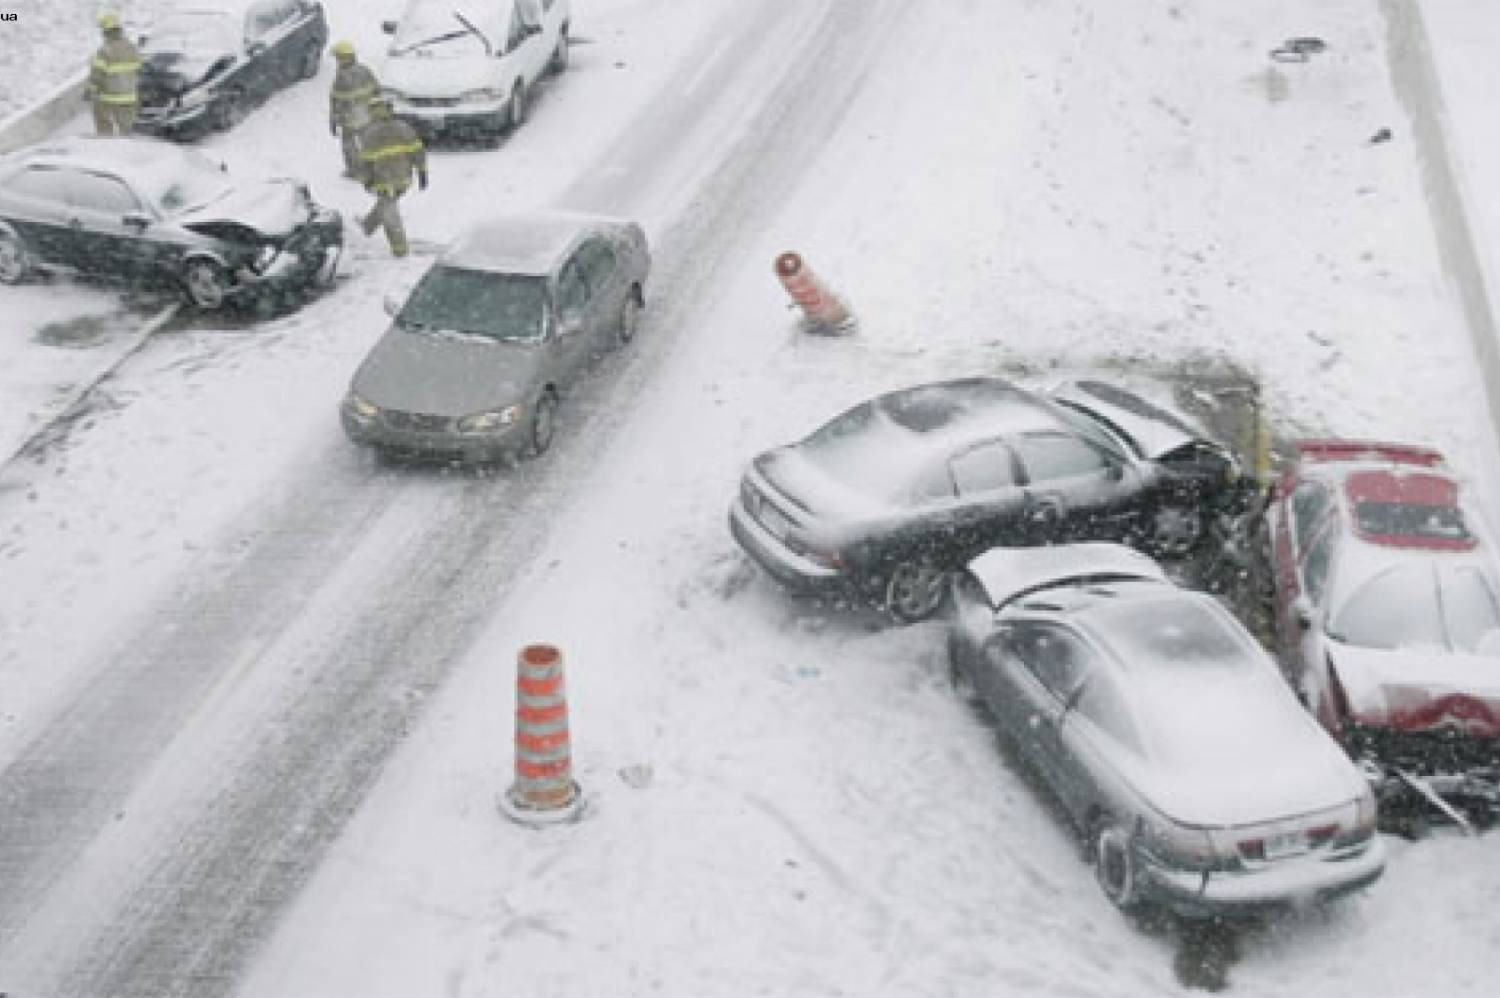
559, 61
630, 317
312, 61
229, 110
543, 425
515, 111
1114, 866
914, 591
205, 283
1175, 528
16, 260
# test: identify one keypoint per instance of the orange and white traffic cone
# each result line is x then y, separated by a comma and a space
821, 308
544, 791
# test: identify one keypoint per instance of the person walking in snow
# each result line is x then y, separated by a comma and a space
114, 77
390, 152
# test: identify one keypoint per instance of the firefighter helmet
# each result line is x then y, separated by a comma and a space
109, 22
343, 50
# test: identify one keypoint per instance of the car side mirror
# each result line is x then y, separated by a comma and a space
389, 27
136, 220
1304, 612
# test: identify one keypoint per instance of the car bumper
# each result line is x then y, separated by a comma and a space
430, 437
310, 258
799, 574
1313, 877
431, 119
166, 119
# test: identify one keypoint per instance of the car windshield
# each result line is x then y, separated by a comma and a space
193, 181
1173, 634
1420, 605
195, 31
499, 306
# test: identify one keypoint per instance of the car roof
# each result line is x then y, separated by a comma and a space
131, 157
530, 243
945, 414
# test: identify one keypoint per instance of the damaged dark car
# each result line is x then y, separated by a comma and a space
883, 502
207, 63
154, 214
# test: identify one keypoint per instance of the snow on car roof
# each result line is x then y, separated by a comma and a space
529, 243
141, 159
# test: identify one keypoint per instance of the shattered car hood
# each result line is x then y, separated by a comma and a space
1156, 430
447, 374
187, 67
1414, 690
274, 208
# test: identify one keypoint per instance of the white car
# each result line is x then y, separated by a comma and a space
469, 66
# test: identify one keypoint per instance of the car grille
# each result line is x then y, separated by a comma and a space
432, 101
420, 422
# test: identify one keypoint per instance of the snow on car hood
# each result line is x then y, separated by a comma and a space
1415, 690
447, 374
420, 75
274, 208
1234, 749
190, 66
1156, 430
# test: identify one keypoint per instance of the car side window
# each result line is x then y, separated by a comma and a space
982, 468
100, 193
1309, 502
1315, 565
266, 17
1102, 703
40, 183
572, 289
1049, 456
597, 258
1055, 657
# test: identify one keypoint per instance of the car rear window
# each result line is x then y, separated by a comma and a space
1399, 519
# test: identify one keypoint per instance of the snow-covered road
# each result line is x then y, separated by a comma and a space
218, 621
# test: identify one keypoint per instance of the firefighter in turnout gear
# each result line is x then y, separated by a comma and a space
354, 87
113, 78
391, 152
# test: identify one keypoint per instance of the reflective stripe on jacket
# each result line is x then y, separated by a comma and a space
115, 72
354, 86
391, 152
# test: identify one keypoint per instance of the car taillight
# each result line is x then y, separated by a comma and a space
832, 558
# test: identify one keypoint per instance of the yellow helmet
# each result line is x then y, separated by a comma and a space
109, 22
343, 50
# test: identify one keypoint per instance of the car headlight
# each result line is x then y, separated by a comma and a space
360, 407
483, 95
482, 422
265, 257
196, 97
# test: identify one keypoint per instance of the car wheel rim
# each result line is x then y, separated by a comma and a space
12, 260
1114, 868
204, 286
1176, 530
914, 591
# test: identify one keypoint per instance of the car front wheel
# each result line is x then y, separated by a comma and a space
312, 60
206, 284
543, 424
15, 259
1174, 529
914, 591
229, 110
1115, 867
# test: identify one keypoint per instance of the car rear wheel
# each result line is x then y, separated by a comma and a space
914, 591
205, 283
543, 424
559, 60
630, 317
516, 111
15, 259
1114, 866
1174, 529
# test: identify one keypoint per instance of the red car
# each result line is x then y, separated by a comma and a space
1387, 600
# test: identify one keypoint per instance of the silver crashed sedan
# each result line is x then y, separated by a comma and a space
1166, 733
481, 353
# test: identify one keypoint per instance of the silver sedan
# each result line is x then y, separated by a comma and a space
1167, 734
481, 354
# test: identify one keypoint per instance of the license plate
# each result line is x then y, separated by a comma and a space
1285, 844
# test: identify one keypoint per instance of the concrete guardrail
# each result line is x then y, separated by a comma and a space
44, 117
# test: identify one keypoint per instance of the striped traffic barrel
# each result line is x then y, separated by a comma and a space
544, 765
821, 306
